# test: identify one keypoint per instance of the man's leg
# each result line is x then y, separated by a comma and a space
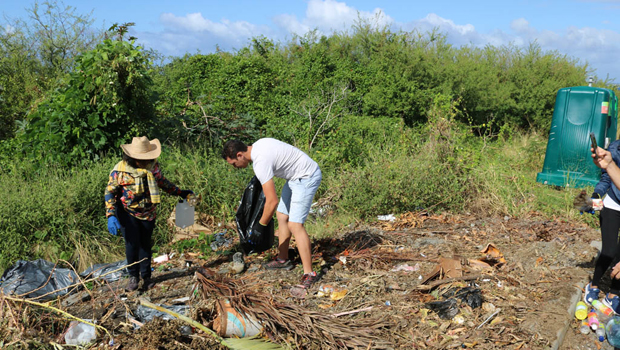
303, 245
284, 235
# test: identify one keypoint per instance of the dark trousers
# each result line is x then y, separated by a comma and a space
610, 225
138, 235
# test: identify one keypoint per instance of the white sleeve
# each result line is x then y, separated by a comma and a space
263, 172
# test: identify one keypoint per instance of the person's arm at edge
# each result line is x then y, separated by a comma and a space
271, 202
603, 160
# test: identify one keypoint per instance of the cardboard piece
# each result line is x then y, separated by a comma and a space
447, 268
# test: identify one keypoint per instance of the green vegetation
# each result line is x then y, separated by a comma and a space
398, 121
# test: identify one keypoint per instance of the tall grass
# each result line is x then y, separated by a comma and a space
53, 213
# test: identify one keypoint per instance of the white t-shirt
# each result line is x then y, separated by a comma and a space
271, 157
610, 203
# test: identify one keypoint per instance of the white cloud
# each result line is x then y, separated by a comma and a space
328, 16
193, 32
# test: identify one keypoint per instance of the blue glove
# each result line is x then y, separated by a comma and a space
113, 225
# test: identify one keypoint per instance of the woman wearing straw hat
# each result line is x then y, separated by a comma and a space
131, 199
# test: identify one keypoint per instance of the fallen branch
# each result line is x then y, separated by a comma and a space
430, 286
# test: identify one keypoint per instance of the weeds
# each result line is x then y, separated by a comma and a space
56, 214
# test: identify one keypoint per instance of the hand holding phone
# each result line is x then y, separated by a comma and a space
593, 142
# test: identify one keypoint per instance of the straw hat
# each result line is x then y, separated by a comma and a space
142, 149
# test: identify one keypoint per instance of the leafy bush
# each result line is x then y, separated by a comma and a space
103, 101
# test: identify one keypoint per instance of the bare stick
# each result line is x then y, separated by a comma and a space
352, 312
488, 318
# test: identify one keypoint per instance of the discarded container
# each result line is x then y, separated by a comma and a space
613, 331
326, 289
600, 332
581, 311
161, 258
604, 309
230, 323
593, 320
585, 327
80, 333
184, 214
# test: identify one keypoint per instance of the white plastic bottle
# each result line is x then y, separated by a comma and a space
184, 214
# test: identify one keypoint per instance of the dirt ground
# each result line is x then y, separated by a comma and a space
513, 289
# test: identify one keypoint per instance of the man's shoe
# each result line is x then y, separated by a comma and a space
612, 303
132, 284
308, 279
147, 284
590, 294
278, 264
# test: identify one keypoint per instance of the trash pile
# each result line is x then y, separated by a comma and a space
599, 320
422, 281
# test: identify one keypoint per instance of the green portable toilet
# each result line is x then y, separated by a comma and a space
577, 112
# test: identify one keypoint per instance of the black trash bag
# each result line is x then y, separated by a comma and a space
250, 211
26, 276
471, 296
101, 269
446, 309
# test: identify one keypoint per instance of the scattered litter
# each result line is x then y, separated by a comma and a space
230, 323
37, 278
406, 267
161, 258
145, 314
109, 271
80, 333
221, 242
387, 303
446, 309
389, 217
343, 259
338, 294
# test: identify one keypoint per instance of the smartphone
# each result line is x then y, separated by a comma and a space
593, 141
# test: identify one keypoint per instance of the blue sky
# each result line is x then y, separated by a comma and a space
587, 30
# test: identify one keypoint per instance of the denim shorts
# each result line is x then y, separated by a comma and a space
297, 196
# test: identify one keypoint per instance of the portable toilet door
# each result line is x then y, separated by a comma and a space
578, 111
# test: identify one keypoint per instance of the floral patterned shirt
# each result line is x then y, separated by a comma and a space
121, 191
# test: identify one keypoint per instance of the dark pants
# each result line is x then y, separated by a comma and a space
610, 225
137, 243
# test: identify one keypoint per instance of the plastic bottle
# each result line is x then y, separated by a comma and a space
184, 214
606, 310
585, 327
581, 311
613, 331
593, 320
600, 332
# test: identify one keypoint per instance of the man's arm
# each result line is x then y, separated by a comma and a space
271, 202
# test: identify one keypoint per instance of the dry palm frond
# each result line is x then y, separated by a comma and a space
286, 320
